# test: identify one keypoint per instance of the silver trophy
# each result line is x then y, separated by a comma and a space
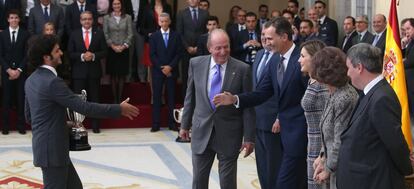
178, 115
78, 136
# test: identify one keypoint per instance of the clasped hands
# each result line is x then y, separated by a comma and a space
13, 74
88, 56
118, 48
321, 174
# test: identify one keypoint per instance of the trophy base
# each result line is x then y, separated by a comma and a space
78, 140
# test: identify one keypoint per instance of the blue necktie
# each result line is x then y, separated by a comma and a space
46, 14
215, 85
81, 8
165, 39
251, 35
194, 16
262, 65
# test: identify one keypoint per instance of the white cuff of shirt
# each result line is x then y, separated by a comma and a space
236, 104
82, 60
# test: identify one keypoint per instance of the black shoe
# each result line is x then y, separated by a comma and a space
179, 139
23, 132
96, 130
153, 130
5, 132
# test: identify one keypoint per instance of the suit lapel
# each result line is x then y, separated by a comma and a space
256, 66
205, 70
364, 102
228, 75
290, 70
8, 37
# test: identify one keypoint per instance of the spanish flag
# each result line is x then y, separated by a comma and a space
394, 69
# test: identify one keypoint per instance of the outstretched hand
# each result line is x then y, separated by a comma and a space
128, 110
225, 98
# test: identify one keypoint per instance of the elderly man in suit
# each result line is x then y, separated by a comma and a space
379, 24
191, 23
46, 12
328, 27
373, 147
165, 52
409, 62
268, 145
284, 80
13, 50
73, 12
217, 130
350, 33
45, 109
86, 48
363, 35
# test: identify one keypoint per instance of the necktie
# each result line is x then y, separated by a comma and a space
13, 37
215, 85
46, 14
81, 8
165, 39
262, 65
319, 22
359, 38
194, 16
87, 39
280, 71
376, 40
250, 35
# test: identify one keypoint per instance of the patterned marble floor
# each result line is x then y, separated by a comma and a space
119, 159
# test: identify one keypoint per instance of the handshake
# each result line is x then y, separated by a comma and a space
224, 98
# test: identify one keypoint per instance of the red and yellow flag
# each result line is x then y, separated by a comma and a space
394, 69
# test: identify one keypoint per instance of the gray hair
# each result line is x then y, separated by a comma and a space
367, 55
216, 32
166, 15
363, 18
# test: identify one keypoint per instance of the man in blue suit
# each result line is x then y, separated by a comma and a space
282, 79
328, 28
165, 51
268, 145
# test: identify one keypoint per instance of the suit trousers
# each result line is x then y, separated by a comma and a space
64, 177
157, 85
13, 90
202, 164
268, 149
92, 87
292, 173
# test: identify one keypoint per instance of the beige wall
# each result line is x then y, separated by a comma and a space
404, 8
221, 8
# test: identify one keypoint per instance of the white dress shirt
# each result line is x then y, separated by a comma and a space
11, 33
372, 83
287, 56
43, 9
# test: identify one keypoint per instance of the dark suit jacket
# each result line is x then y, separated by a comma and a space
381, 41
72, 16
266, 113
37, 21
329, 31
291, 115
161, 55
348, 43
8, 5
230, 124
367, 38
373, 152
13, 56
150, 22
47, 97
76, 46
409, 73
202, 45
187, 29
233, 31
238, 51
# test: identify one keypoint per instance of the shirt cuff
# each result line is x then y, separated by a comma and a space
82, 60
20, 70
126, 45
236, 104
93, 57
